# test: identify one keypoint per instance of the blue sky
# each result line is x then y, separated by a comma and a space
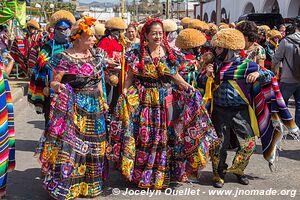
89, 1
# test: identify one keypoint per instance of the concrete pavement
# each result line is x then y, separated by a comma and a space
24, 182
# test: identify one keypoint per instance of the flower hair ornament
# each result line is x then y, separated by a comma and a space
171, 56
83, 25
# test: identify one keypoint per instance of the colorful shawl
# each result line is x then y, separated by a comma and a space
41, 73
267, 108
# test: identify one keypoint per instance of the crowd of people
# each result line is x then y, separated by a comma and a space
159, 99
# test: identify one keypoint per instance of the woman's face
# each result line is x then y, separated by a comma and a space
88, 41
155, 36
131, 33
219, 50
32, 30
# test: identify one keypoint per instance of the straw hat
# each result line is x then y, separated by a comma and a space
213, 27
100, 29
274, 33
185, 21
33, 24
169, 25
198, 24
223, 26
62, 15
116, 23
264, 28
190, 38
229, 39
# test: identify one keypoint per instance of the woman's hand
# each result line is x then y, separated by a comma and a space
58, 87
9, 57
124, 92
252, 77
210, 70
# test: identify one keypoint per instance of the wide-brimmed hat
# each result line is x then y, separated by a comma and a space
100, 29
33, 24
212, 27
274, 33
185, 21
198, 24
223, 26
264, 28
116, 23
190, 38
62, 15
229, 39
169, 25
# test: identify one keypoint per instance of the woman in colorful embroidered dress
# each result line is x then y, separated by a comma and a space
7, 133
160, 130
73, 159
253, 51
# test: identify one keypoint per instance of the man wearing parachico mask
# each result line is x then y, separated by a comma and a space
39, 92
113, 43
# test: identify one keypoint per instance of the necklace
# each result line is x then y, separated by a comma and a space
82, 57
155, 61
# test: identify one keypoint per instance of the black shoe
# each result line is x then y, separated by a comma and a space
243, 179
218, 184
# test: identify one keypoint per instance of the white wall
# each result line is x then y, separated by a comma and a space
236, 8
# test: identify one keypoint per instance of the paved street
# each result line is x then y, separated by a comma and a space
24, 182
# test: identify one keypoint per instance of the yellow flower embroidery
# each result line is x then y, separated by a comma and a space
81, 170
133, 99
239, 158
126, 167
75, 119
53, 155
84, 189
151, 71
154, 97
82, 124
102, 148
76, 190
163, 69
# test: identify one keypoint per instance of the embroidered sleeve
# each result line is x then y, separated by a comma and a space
261, 53
58, 63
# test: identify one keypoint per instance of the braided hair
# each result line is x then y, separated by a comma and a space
146, 30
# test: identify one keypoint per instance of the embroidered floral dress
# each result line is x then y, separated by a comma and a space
255, 53
73, 156
159, 133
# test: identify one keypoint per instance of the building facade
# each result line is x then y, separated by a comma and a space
233, 9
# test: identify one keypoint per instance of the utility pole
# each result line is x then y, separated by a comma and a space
172, 9
218, 11
167, 9
187, 8
122, 8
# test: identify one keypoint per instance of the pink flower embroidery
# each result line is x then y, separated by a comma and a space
59, 127
146, 114
73, 70
86, 69
144, 134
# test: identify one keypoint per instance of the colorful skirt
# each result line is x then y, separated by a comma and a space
73, 154
7, 134
159, 134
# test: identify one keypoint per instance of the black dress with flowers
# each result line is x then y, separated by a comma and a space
159, 133
73, 147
